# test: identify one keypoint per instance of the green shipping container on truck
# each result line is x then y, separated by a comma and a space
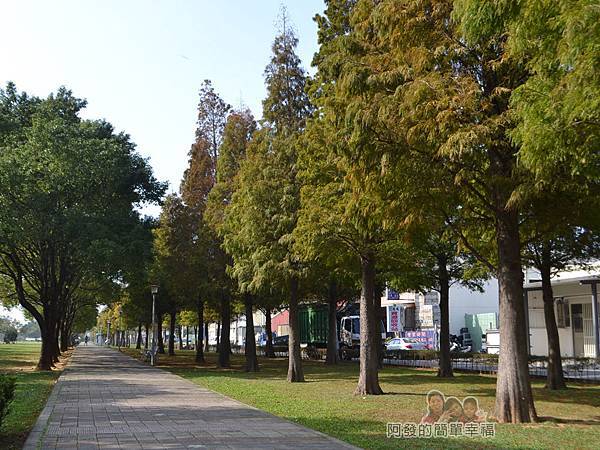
313, 325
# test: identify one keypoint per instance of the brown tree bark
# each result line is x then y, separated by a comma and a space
64, 337
56, 347
555, 379
199, 338
445, 363
250, 348
160, 341
368, 380
44, 321
224, 360
333, 354
514, 399
138, 344
295, 373
206, 343
172, 326
218, 336
180, 332
46, 361
379, 348
270, 353
147, 336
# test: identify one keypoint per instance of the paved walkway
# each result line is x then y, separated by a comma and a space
108, 400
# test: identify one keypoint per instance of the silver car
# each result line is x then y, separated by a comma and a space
395, 345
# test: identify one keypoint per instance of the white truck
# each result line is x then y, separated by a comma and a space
350, 336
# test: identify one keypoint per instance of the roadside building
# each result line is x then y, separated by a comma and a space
576, 309
409, 311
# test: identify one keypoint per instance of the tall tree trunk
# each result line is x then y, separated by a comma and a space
64, 337
147, 336
56, 336
138, 344
218, 336
250, 348
44, 321
180, 330
46, 361
159, 333
445, 369
199, 339
332, 335
172, 327
270, 353
295, 372
225, 343
368, 380
514, 399
206, 343
555, 379
187, 337
379, 330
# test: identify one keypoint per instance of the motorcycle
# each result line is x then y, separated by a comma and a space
456, 345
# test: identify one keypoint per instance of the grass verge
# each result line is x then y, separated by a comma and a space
325, 402
32, 391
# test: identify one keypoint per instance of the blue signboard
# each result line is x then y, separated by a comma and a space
428, 337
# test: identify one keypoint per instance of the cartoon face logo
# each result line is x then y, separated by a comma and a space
450, 409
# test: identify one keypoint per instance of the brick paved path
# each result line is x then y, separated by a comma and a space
108, 400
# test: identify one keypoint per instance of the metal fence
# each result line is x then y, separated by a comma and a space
574, 369
581, 369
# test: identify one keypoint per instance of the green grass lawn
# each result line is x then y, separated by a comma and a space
33, 388
325, 402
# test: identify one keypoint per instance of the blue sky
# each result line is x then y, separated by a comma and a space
140, 63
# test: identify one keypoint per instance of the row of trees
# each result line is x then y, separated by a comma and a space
439, 142
465, 126
69, 230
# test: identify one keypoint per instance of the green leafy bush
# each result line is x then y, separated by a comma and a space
10, 335
7, 393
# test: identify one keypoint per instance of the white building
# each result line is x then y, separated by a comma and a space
237, 331
576, 309
422, 310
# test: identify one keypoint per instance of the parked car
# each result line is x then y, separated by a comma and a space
394, 346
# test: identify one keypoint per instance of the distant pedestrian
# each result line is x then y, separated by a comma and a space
86, 340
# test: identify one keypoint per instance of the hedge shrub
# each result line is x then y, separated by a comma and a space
7, 393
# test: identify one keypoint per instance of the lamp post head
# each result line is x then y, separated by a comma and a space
154, 289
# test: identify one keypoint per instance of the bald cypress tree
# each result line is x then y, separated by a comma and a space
198, 180
236, 136
412, 83
265, 204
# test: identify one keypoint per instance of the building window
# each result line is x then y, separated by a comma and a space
563, 318
577, 315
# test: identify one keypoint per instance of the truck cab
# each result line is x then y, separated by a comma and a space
350, 336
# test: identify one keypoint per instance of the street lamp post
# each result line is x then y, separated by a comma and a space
154, 290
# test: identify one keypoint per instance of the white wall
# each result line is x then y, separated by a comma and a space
539, 341
463, 301
571, 291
